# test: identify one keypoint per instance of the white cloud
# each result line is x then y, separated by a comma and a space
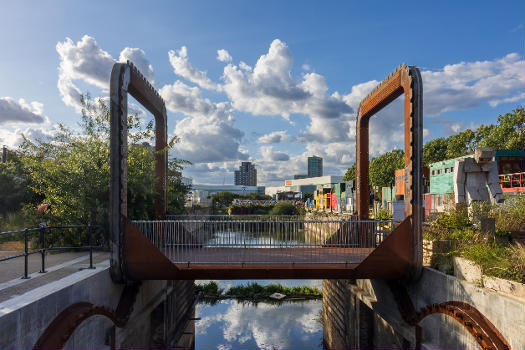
244, 66
13, 138
270, 89
273, 137
87, 62
269, 154
207, 133
20, 112
469, 84
211, 139
182, 67
239, 324
138, 58
223, 55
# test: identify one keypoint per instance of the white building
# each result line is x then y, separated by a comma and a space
201, 193
310, 184
273, 190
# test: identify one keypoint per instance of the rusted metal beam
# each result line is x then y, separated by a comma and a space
126, 79
404, 80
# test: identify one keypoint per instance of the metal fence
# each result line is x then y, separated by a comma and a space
279, 240
37, 235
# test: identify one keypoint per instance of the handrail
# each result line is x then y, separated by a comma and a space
43, 249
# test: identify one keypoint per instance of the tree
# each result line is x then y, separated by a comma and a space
71, 170
284, 208
15, 183
350, 173
223, 199
435, 150
382, 168
508, 133
462, 143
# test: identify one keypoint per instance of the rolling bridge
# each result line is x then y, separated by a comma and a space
182, 247
265, 247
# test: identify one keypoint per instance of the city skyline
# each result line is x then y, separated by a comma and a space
283, 88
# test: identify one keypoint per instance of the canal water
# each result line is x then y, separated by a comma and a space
232, 324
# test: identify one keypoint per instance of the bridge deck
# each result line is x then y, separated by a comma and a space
268, 256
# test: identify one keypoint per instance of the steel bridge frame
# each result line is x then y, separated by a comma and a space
126, 79
404, 80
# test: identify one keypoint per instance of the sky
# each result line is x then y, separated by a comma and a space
271, 82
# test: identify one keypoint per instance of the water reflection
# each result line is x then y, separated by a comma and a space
230, 324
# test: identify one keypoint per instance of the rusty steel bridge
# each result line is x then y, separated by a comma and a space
182, 247
263, 247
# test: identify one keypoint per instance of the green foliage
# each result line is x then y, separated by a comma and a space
383, 214
255, 288
71, 171
224, 199
447, 224
211, 288
382, 168
435, 151
252, 289
461, 144
350, 173
508, 133
510, 215
284, 208
14, 185
249, 209
499, 260
496, 257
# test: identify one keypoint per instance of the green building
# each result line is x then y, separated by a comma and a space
442, 176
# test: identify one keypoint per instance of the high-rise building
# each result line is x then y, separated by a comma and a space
246, 175
315, 166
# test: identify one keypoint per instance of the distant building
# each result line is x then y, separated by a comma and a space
186, 181
315, 166
246, 175
300, 176
201, 193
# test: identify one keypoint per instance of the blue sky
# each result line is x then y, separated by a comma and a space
305, 67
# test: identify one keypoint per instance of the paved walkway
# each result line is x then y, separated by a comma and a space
58, 266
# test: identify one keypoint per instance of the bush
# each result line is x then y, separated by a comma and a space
444, 226
210, 288
255, 288
284, 208
510, 215
383, 214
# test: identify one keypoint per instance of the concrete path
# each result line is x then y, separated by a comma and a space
14, 268
58, 266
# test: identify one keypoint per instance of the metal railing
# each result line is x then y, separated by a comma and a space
512, 181
266, 241
44, 245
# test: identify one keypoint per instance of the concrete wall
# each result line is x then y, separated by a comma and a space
348, 323
24, 318
438, 331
